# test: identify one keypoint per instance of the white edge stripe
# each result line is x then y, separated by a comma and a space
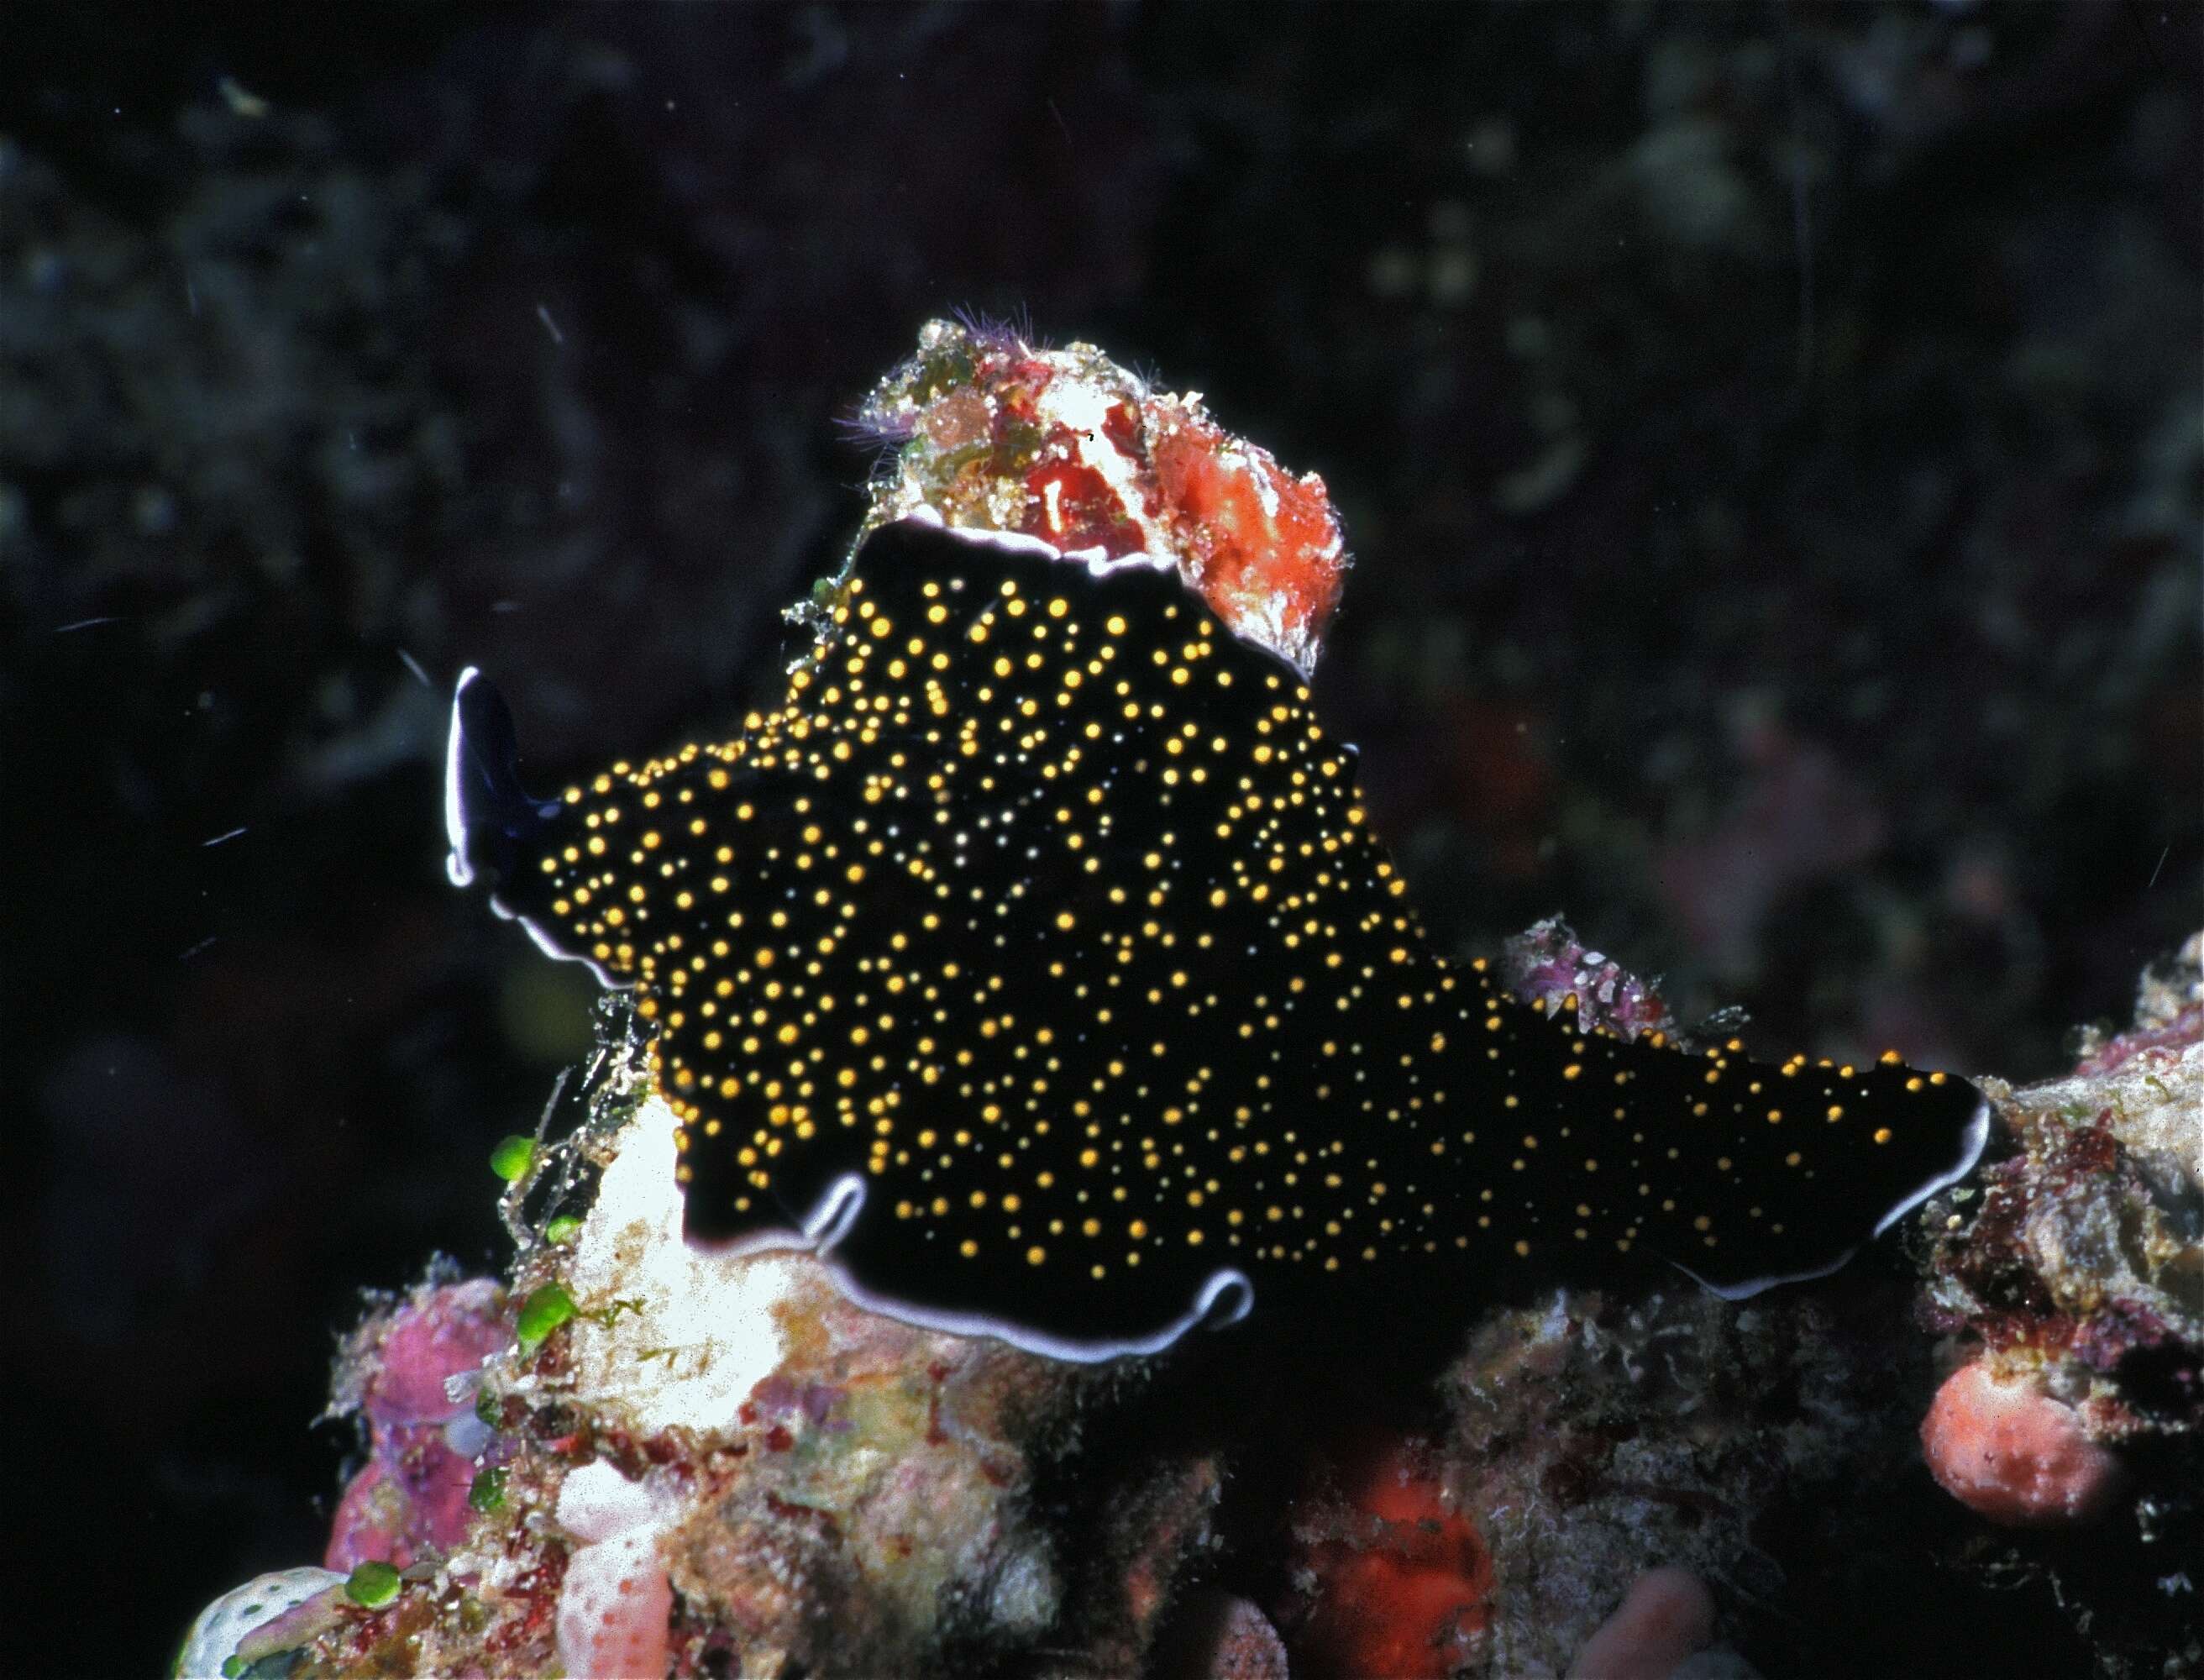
1098, 564
1752, 1286
456, 866
1971, 1143
835, 1215
549, 944
1095, 559
461, 868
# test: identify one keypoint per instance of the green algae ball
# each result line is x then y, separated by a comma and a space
372, 1585
486, 1493
541, 1313
512, 1157
562, 1229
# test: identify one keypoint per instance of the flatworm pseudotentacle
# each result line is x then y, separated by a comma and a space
1034, 959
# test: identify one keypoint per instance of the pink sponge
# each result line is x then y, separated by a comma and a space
410, 1497
615, 1601
612, 1610
2012, 1453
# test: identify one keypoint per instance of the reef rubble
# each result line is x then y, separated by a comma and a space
2079, 1264
2068, 1285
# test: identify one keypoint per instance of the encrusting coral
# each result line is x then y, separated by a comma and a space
2079, 1265
2069, 1286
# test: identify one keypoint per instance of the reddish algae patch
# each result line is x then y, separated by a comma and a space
1405, 1582
1067, 446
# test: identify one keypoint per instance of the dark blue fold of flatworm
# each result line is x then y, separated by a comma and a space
1034, 959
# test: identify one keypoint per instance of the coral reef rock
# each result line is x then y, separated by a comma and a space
2078, 1266
700, 1465
2068, 1282
994, 433
1599, 1437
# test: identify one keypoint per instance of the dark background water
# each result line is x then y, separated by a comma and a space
1770, 436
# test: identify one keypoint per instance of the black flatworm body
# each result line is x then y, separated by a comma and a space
1034, 960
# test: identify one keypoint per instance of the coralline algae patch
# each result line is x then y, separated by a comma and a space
2070, 1288
994, 433
1667, 1618
615, 1603
410, 1373
2076, 1271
